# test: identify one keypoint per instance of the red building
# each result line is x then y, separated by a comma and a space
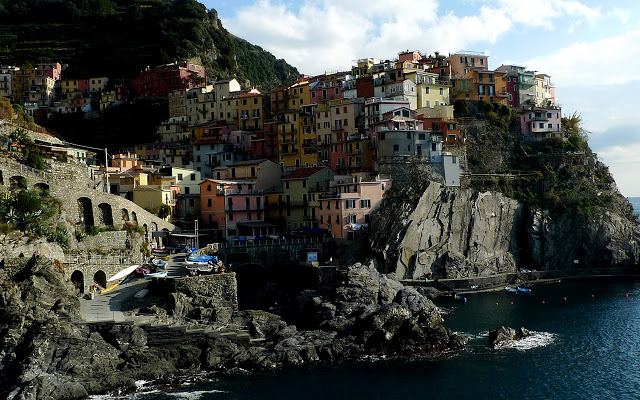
159, 81
365, 87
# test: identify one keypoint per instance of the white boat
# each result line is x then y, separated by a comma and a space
123, 273
161, 274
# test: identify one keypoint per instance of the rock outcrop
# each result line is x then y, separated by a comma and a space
48, 352
460, 233
503, 335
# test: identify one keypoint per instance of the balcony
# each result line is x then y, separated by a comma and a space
355, 164
285, 140
341, 166
290, 151
244, 117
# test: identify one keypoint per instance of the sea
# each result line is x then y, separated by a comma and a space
586, 345
635, 202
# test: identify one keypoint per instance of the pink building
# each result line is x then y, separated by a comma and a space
324, 90
538, 123
234, 207
345, 211
52, 70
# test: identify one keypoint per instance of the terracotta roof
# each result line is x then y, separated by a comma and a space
303, 172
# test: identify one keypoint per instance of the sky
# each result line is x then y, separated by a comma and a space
591, 49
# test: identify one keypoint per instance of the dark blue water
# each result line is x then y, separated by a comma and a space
587, 347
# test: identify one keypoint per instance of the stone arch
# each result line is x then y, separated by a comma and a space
251, 278
154, 227
85, 210
41, 186
77, 279
125, 215
146, 231
17, 182
106, 214
100, 278
134, 217
1, 178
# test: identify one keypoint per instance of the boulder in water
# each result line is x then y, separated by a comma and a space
502, 335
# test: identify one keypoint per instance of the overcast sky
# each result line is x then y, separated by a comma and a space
590, 48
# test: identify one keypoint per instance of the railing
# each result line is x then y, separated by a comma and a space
98, 259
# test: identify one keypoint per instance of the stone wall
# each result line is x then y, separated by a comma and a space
271, 253
222, 288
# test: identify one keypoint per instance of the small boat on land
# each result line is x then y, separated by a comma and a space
200, 259
129, 278
161, 274
158, 262
161, 252
123, 273
110, 288
524, 290
141, 293
142, 271
511, 290
459, 298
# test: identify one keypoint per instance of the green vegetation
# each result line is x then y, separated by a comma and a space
29, 211
119, 38
555, 174
164, 211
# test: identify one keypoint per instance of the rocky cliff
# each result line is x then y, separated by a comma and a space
460, 233
48, 352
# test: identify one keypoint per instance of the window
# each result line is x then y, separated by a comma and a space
231, 232
408, 135
549, 115
352, 219
365, 203
550, 126
304, 183
286, 184
441, 91
350, 204
337, 219
421, 136
247, 203
230, 204
208, 188
186, 190
191, 203
192, 177
248, 216
396, 147
208, 202
337, 204
541, 125
230, 216
322, 219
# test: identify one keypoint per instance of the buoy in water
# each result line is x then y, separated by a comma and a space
626, 295
512, 303
565, 299
593, 295
542, 301
496, 303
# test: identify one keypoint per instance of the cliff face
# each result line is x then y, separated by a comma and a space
459, 233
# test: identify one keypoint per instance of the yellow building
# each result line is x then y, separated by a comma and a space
20, 80
301, 193
152, 197
431, 89
251, 110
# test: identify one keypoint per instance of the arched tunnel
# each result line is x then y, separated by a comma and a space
255, 286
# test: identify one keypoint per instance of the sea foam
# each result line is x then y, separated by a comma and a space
537, 339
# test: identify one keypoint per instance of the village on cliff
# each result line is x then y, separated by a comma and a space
312, 157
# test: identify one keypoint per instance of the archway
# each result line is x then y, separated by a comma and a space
134, 217
146, 231
41, 186
100, 278
106, 215
17, 182
255, 284
125, 215
1, 178
154, 227
85, 210
77, 279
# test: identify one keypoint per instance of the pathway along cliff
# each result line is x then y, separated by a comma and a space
48, 352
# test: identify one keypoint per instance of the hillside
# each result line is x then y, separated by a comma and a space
119, 38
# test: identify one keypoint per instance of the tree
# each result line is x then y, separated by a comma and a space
572, 128
164, 211
35, 160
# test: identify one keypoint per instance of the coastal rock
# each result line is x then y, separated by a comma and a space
456, 234
502, 335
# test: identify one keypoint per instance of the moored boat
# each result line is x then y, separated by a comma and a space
511, 290
459, 298
524, 290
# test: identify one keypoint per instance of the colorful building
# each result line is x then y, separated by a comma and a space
161, 80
